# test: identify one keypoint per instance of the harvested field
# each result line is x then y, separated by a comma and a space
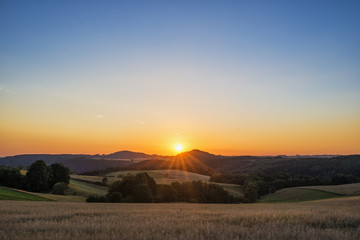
325, 219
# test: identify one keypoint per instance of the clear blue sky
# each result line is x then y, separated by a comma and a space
240, 71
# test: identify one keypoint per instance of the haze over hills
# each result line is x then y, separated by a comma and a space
197, 161
79, 162
121, 155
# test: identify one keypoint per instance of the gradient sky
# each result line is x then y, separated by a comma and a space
229, 77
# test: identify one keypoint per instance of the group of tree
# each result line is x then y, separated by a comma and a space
260, 185
38, 178
142, 188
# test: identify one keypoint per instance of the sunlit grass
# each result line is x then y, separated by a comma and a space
12, 194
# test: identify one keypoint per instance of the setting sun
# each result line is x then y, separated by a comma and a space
179, 148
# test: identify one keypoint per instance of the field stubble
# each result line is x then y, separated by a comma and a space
326, 219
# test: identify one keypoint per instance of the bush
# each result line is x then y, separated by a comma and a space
142, 194
104, 181
114, 197
251, 192
93, 198
59, 188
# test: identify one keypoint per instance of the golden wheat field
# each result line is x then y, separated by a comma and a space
326, 219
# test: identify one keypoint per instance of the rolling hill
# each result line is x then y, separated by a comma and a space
198, 162
77, 163
309, 193
204, 163
14, 194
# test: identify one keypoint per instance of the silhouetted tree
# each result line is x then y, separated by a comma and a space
251, 192
59, 173
114, 197
38, 176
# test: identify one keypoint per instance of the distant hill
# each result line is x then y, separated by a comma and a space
27, 159
198, 162
310, 166
128, 155
196, 154
83, 164
204, 163
76, 162
192, 161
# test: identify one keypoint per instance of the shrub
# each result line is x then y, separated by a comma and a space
104, 180
115, 197
93, 198
251, 192
142, 194
59, 188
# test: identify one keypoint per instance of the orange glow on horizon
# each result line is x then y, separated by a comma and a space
37, 138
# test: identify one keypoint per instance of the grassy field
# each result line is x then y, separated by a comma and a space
232, 189
297, 195
160, 176
12, 194
85, 189
94, 178
325, 219
345, 189
77, 192
311, 193
166, 176
169, 176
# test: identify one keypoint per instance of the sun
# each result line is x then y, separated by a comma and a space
178, 147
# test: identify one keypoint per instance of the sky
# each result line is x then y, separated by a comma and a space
228, 77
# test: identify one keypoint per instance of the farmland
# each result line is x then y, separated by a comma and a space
160, 177
325, 219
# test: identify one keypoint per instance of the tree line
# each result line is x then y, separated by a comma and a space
142, 188
38, 178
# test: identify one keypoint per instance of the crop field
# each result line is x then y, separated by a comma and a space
325, 219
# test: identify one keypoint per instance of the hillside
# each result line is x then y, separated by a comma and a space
19, 195
309, 166
128, 155
83, 164
76, 163
297, 195
309, 193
